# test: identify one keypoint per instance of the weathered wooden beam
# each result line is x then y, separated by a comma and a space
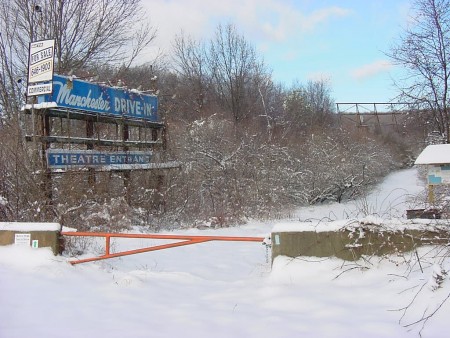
78, 115
91, 141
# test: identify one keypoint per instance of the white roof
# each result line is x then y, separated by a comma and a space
434, 154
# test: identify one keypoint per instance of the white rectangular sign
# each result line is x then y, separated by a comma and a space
22, 239
40, 61
40, 89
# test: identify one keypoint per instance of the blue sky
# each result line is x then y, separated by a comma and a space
343, 41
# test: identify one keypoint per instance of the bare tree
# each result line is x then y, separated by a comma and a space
86, 32
309, 107
236, 70
191, 64
223, 75
423, 50
12, 61
320, 102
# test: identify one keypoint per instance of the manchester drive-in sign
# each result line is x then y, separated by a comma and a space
40, 67
91, 97
76, 159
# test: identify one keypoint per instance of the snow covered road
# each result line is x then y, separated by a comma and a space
223, 289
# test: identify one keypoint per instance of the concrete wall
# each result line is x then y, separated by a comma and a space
348, 245
44, 237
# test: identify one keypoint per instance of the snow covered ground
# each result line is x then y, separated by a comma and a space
228, 289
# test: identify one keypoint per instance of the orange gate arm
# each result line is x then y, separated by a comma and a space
183, 240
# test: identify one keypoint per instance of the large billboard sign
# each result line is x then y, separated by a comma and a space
40, 67
77, 159
91, 97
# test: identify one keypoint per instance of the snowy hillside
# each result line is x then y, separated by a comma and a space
228, 289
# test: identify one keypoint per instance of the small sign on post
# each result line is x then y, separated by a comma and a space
22, 239
40, 67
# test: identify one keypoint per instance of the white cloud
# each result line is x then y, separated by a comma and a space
319, 76
371, 69
172, 17
278, 21
269, 20
323, 15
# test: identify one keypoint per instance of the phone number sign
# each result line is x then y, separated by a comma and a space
40, 66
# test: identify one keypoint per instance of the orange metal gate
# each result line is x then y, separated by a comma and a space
183, 240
